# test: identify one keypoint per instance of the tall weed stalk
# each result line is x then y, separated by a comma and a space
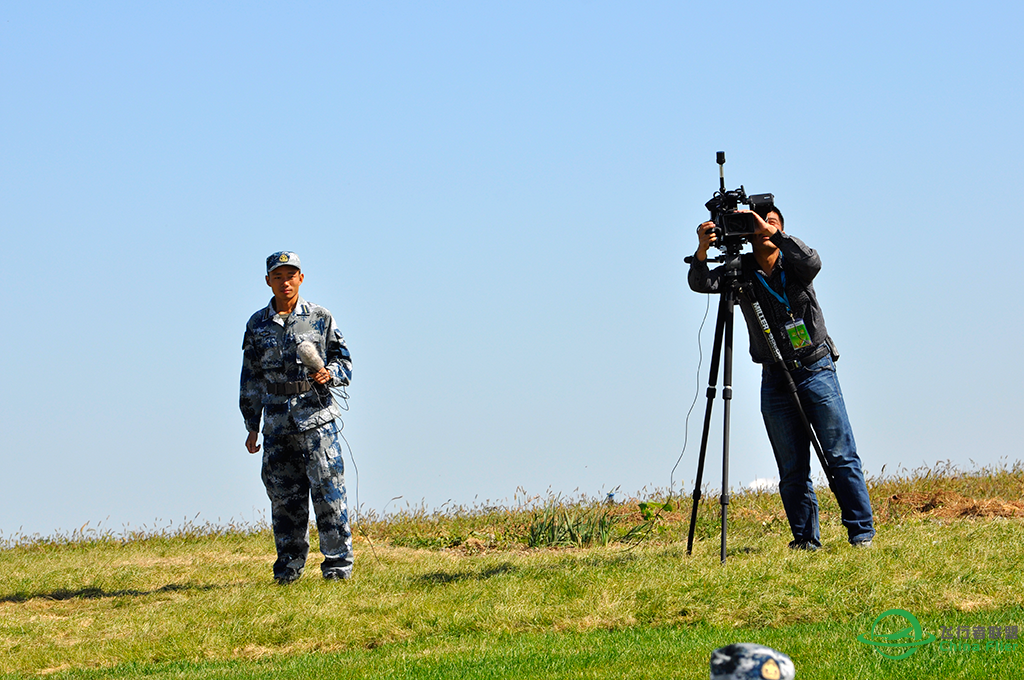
561, 525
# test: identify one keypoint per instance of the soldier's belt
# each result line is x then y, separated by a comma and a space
284, 389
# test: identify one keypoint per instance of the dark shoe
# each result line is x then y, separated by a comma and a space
803, 545
337, 575
288, 577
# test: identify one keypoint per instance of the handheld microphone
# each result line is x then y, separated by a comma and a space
309, 356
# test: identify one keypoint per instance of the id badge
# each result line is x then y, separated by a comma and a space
798, 335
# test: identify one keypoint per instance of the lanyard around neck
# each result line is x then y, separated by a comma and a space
784, 299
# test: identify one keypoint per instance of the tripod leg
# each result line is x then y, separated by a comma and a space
716, 353
727, 412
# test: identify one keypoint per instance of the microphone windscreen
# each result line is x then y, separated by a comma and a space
309, 357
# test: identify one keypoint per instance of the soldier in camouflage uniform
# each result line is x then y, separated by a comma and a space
302, 453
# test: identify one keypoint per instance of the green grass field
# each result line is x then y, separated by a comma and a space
461, 593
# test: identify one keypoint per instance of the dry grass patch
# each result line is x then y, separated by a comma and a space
946, 504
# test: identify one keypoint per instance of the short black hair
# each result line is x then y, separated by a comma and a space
782, 220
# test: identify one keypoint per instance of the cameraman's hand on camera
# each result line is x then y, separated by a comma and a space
765, 229
707, 236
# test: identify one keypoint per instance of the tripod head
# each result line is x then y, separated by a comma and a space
732, 272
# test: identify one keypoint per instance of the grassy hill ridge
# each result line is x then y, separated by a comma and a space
461, 592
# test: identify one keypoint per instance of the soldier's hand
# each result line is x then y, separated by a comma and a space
322, 377
250, 442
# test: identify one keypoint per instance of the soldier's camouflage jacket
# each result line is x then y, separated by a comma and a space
269, 356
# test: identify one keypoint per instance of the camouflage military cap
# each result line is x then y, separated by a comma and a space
282, 258
746, 661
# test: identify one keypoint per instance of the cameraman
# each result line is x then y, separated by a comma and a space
779, 273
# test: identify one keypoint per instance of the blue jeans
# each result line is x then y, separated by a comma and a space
822, 400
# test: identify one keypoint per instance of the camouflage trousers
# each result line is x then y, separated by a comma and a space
295, 468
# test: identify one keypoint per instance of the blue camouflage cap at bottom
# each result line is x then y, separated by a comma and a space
747, 661
282, 258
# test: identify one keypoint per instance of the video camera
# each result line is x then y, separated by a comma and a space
731, 226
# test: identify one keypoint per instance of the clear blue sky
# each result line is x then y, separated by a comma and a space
494, 199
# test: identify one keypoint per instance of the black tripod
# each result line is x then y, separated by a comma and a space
732, 286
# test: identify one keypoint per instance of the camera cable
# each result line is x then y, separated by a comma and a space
696, 396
